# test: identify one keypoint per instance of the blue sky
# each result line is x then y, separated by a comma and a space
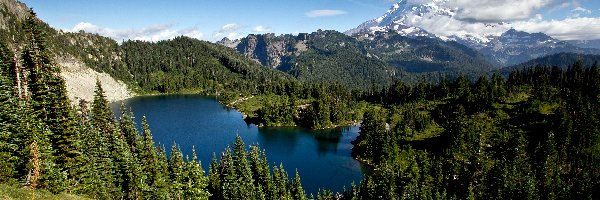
214, 19
210, 16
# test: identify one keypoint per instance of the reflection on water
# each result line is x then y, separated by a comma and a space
322, 157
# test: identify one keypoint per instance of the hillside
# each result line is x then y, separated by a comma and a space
177, 65
80, 69
561, 60
184, 64
425, 54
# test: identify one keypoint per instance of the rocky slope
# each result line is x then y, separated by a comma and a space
81, 82
270, 50
79, 76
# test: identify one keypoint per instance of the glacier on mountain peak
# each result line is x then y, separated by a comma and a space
434, 18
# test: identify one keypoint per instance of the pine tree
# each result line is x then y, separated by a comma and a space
9, 118
243, 171
127, 127
297, 190
196, 183
52, 178
228, 177
372, 136
161, 181
260, 171
177, 172
95, 178
50, 101
101, 113
214, 180
152, 165
132, 141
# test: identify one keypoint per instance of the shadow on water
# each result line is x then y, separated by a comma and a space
328, 140
283, 139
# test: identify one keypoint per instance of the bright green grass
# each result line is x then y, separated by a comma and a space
16, 192
432, 131
548, 108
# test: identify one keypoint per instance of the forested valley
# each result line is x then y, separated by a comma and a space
533, 134
46, 143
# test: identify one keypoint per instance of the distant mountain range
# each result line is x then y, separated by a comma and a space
377, 57
399, 44
503, 48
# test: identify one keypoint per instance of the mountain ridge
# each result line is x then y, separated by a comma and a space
395, 54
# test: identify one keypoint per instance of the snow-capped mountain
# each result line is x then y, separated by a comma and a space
499, 42
433, 19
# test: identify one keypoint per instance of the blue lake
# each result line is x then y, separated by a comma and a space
322, 157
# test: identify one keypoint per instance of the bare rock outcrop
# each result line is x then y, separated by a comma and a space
81, 82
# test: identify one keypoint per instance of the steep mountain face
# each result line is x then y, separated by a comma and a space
400, 18
496, 41
268, 49
330, 56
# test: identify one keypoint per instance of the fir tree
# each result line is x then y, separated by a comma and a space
177, 172
297, 190
101, 113
228, 177
243, 171
196, 183
9, 118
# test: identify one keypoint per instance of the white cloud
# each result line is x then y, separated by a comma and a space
324, 13
150, 33
583, 28
231, 31
581, 9
497, 10
230, 27
261, 29
578, 11
493, 17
